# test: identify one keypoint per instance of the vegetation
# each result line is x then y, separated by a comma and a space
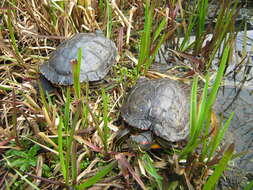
67, 139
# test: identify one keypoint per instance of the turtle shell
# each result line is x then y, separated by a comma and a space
98, 54
159, 105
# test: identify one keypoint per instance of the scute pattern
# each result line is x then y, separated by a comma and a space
159, 105
98, 54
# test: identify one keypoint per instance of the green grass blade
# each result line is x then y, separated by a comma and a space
206, 141
66, 125
101, 6
218, 138
67, 108
61, 153
12, 36
148, 165
193, 111
202, 15
173, 185
155, 52
224, 28
146, 36
197, 118
218, 78
202, 9
249, 186
159, 29
221, 166
61, 4
193, 121
93, 180
7, 185
76, 73
203, 112
74, 161
53, 12
185, 42
42, 95
109, 20
72, 143
85, 117
106, 131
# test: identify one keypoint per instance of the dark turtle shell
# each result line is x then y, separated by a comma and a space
98, 54
159, 105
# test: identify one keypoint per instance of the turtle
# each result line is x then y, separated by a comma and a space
98, 54
157, 108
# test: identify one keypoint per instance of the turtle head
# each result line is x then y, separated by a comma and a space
139, 140
143, 140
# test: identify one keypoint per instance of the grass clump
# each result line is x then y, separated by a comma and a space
206, 131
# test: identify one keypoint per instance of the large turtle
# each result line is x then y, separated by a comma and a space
98, 54
157, 107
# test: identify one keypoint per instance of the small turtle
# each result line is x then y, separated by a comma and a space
98, 54
157, 107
